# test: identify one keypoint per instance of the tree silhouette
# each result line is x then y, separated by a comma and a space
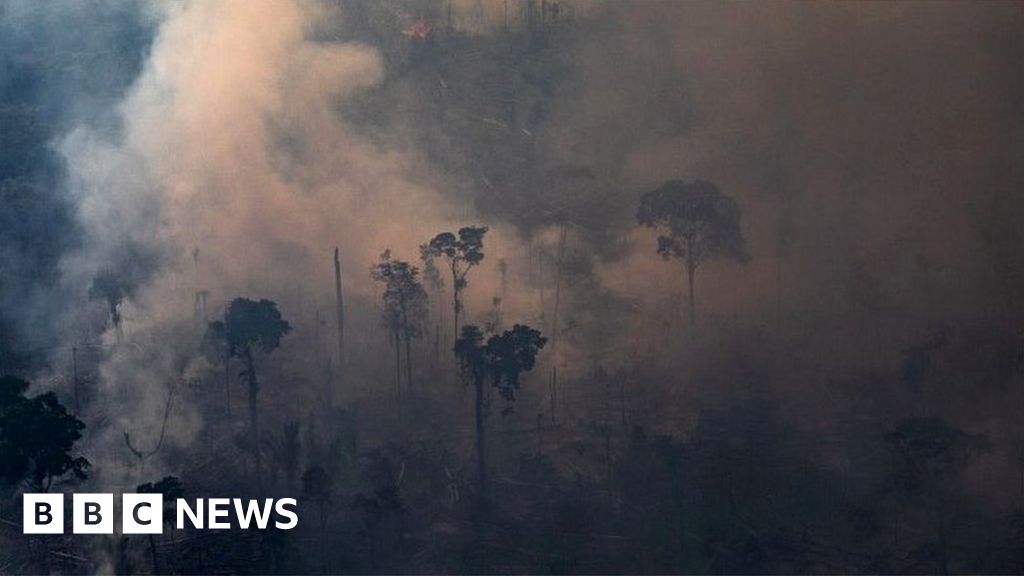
107, 286
461, 253
214, 347
131, 268
699, 223
37, 436
432, 276
500, 362
251, 324
405, 306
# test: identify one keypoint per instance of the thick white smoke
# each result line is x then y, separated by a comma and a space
232, 142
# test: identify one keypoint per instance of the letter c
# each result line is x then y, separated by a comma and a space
138, 519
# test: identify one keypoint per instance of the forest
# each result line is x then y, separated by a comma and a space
517, 286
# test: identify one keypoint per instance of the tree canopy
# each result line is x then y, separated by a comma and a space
405, 300
37, 436
698, 221
462, 252
503, 358
250, 323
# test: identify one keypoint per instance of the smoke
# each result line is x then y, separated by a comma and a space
871, 148
55, 71
233, 172
865, 136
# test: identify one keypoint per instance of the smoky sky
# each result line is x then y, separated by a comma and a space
875, 150
882, 135
60, 64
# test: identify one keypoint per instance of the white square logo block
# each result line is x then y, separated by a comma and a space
43, 513
142, 513
92, 514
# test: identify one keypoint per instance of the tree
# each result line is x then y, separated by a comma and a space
250, 324
107, 286
37, 436
130, 268
405, 305
433, 277
214, 347
699, 224
461, 253
500, 362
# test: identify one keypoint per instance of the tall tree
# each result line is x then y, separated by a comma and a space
698, 223
214, 347
461, 253
500, 362
340, 311
37, 436
432, 275
405, 303
247, 325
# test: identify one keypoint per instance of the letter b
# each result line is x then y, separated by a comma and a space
43, 514
93, 514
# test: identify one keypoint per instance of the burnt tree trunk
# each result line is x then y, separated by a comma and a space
398, 363
227, 381
481, 446
254, 415
341, 319
691, 268
407, 336
408, 360
456, 302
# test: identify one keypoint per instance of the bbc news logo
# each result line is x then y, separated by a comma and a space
144, 513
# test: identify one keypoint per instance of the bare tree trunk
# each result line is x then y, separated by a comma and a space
227, 381
607, 436
554, 320
254, 417
690, 269
558, 288
540, 283
481, 451
398, 364
455, 306
74, 380
341, 318
408, 347
408, 360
